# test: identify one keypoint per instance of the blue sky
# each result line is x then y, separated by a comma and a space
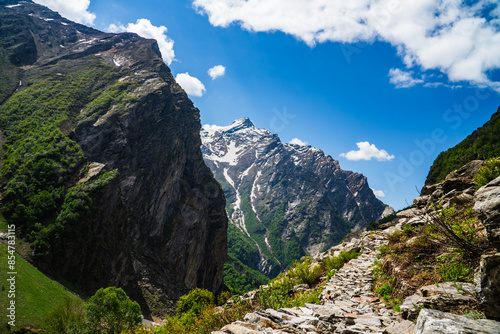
398, 82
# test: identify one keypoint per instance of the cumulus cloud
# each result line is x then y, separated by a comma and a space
190, 84
460, 39
144, 28
297, 141
75, 10
367, 151
217, 71
378, 193
403, 79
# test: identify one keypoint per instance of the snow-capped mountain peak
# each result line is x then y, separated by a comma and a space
288, 199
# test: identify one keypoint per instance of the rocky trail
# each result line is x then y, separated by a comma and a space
348, 306
347, 303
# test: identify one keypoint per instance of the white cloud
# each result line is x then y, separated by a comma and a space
144, 28
190, 84
116, 28
297, 141
402, 79
75, 10
460, 39
212, 128
217, 71
378, 193
367, 151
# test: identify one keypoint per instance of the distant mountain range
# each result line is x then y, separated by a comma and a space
283, 200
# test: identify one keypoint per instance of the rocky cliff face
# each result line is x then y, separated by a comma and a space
288, 199
130, 200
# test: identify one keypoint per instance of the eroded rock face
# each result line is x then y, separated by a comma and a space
487, 208
437, 322
159, 229
487, 280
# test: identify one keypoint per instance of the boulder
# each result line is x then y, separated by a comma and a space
437, 322
487, 208
466, 172
421, 201
402, 327
487, 280
409, 213
443, 296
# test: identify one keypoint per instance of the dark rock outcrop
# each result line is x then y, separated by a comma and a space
159, 228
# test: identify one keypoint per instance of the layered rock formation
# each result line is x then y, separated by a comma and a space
289, 200
135, 206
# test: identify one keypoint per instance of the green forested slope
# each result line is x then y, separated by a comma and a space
484, 143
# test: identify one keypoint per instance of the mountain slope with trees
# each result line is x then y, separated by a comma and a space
482, 144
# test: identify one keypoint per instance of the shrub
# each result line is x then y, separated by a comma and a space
277, 293
303, 272
489, 171
209, 320
111, 311
223, 297
195, 301
385, 290
337, 262
67, 317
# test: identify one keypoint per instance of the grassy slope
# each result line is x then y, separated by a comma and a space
36, 294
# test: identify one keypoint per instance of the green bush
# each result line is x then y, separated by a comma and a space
385, 290
304, 273
277, 293
195, 301
337, 262
68, 317
489, 171
111, 311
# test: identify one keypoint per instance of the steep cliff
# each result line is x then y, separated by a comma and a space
284, 200
102, 171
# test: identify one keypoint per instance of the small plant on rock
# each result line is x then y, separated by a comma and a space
489, 171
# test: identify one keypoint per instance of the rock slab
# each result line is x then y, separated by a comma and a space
487, 208
488, 285
437, 322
